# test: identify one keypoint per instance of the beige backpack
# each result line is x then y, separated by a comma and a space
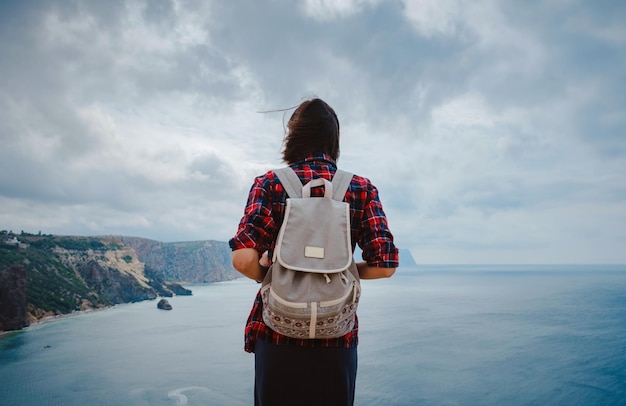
312, 288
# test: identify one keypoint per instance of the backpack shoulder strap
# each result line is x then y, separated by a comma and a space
341, 183
290, 181
293, 186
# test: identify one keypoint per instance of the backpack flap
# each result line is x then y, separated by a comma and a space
315, 236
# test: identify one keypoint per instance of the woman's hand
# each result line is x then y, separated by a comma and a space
264, 261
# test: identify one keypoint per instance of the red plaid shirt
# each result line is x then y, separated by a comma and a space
262, 219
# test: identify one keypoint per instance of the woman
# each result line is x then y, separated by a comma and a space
291, 371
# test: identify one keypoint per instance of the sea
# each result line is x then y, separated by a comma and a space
430, 335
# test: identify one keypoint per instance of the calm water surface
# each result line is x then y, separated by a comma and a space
434, 335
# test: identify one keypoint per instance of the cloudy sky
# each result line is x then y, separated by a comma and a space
494, 130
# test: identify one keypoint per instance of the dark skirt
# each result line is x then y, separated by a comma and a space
291, 375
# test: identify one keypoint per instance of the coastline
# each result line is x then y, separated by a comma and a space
56, 317
75, 313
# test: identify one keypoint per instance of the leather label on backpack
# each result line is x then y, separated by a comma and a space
314, 252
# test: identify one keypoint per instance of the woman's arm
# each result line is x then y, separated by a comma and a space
373, 272
375, 240
246, 261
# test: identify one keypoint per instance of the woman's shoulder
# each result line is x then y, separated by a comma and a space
264, 183
361, 182
266, 178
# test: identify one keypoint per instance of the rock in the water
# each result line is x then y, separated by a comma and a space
164, 305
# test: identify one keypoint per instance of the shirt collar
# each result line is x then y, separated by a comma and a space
319, 157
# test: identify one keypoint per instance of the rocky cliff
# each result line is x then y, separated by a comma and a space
43, 276
13, 302
190, 262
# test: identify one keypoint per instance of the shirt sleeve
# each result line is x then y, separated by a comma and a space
256, 227
375, 238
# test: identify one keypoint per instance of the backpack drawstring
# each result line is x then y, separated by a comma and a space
343, 276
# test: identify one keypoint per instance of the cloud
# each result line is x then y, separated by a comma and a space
493, 130
326, 10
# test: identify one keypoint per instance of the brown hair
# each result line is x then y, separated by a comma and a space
312, 128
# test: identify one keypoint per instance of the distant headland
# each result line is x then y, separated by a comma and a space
44, 276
